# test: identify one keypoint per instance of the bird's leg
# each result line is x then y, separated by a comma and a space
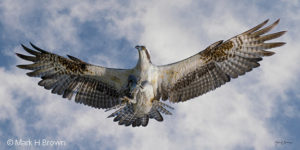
134, 94
130, 100
121, 105
132, 97
139, 84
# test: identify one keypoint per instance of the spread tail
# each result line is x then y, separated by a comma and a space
126, 115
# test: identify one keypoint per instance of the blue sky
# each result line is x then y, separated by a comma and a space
251, 112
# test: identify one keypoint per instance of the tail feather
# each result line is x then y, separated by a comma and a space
127, 116
137, 122
117, 118
161, 107
145, 120
156, 115
125, 119
116, 113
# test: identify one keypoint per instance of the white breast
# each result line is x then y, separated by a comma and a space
144, 99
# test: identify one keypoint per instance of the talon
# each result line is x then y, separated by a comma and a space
125, 98
141, 86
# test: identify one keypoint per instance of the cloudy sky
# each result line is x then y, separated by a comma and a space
256, 111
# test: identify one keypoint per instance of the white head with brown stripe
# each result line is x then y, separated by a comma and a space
144, 56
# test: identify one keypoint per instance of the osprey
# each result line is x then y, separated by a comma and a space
137, 93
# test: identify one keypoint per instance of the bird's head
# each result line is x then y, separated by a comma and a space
143, 52
140, 47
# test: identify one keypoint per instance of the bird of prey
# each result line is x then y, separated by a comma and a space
137, 94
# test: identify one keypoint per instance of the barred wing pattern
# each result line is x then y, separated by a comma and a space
94, 86
217, 64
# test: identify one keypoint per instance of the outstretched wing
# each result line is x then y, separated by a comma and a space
217, 64
95, 86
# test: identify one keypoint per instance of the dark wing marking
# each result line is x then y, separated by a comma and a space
91, 85
217, 64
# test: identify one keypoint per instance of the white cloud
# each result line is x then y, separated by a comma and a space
10, 103
234, 116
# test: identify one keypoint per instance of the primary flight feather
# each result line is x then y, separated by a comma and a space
137, 93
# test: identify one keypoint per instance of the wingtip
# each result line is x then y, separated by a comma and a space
22, 66
30, 51
28, 58
31, 44
282, 32
30, 74
34, 46
37, 48
257, 27
266, 29
19, 66
276, 22
23, 45
268, 53
266, 21
280, 44
19, 55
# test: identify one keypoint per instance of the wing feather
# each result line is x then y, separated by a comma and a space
217, 64
94, 86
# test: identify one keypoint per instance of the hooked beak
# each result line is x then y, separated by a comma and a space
138, 47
